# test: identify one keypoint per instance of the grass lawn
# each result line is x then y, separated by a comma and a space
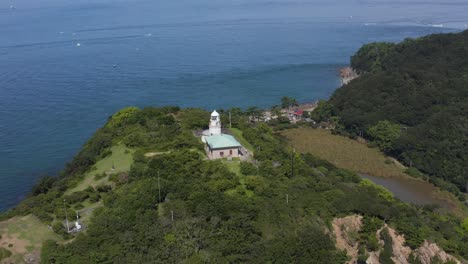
121, 158
24, 234
238, 135
343, 152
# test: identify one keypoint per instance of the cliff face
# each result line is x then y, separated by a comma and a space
347, 74
429, 251
346, 228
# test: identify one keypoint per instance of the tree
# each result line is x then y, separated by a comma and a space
43, 185
254, 112
287, 102
125, 116
323, 112
385, 133
420, 84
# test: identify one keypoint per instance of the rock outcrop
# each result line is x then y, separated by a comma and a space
347, 74
346, 231
429, 251
344, 228
401, 252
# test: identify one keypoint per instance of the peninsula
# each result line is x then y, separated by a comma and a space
172, 185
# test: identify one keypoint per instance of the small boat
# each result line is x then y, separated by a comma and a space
78, 44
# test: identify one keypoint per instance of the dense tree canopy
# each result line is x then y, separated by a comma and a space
179, 207
422, 85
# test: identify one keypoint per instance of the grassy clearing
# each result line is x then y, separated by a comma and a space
233, 165
343, 152
238, 135
349, 154
121, 158
24, 234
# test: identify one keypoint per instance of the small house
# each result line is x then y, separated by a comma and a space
222, 146
298, 114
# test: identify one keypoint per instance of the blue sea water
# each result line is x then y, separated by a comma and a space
65, 66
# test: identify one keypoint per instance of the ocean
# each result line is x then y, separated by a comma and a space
66, 66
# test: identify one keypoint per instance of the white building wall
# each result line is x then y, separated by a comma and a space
215, 124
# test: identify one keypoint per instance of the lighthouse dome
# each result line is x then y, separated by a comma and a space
214, 113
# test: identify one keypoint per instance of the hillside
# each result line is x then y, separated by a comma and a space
175, 206
420, 86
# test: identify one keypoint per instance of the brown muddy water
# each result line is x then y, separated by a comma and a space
410, 190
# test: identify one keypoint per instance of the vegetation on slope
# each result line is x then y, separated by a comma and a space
178, 206
23, 235
412, 100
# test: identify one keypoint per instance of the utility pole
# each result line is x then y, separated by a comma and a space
172, 216
230, 124
292, 163
159, 189
66, 216
287, 198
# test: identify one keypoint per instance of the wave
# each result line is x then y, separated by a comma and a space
233, 22
52, 44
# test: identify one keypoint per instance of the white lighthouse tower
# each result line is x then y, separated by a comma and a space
215, 124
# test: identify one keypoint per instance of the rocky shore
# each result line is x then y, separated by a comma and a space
347, 74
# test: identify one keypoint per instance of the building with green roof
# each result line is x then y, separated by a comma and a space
222, 146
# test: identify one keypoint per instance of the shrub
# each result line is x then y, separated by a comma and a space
412, 171
385, 256
98, 176
94, 197
103, 188
76, 197
43, 185
248, 168
42, 215
4, 253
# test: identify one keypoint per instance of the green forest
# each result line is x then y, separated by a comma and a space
411, 100
178, 207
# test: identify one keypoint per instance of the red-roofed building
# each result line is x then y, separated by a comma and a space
298, 112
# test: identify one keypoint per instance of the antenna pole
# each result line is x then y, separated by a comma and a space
172, 216
287, 198
230, 124
66, 215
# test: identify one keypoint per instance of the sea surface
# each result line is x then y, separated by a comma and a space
66, 66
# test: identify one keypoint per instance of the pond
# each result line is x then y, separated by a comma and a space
410, 190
